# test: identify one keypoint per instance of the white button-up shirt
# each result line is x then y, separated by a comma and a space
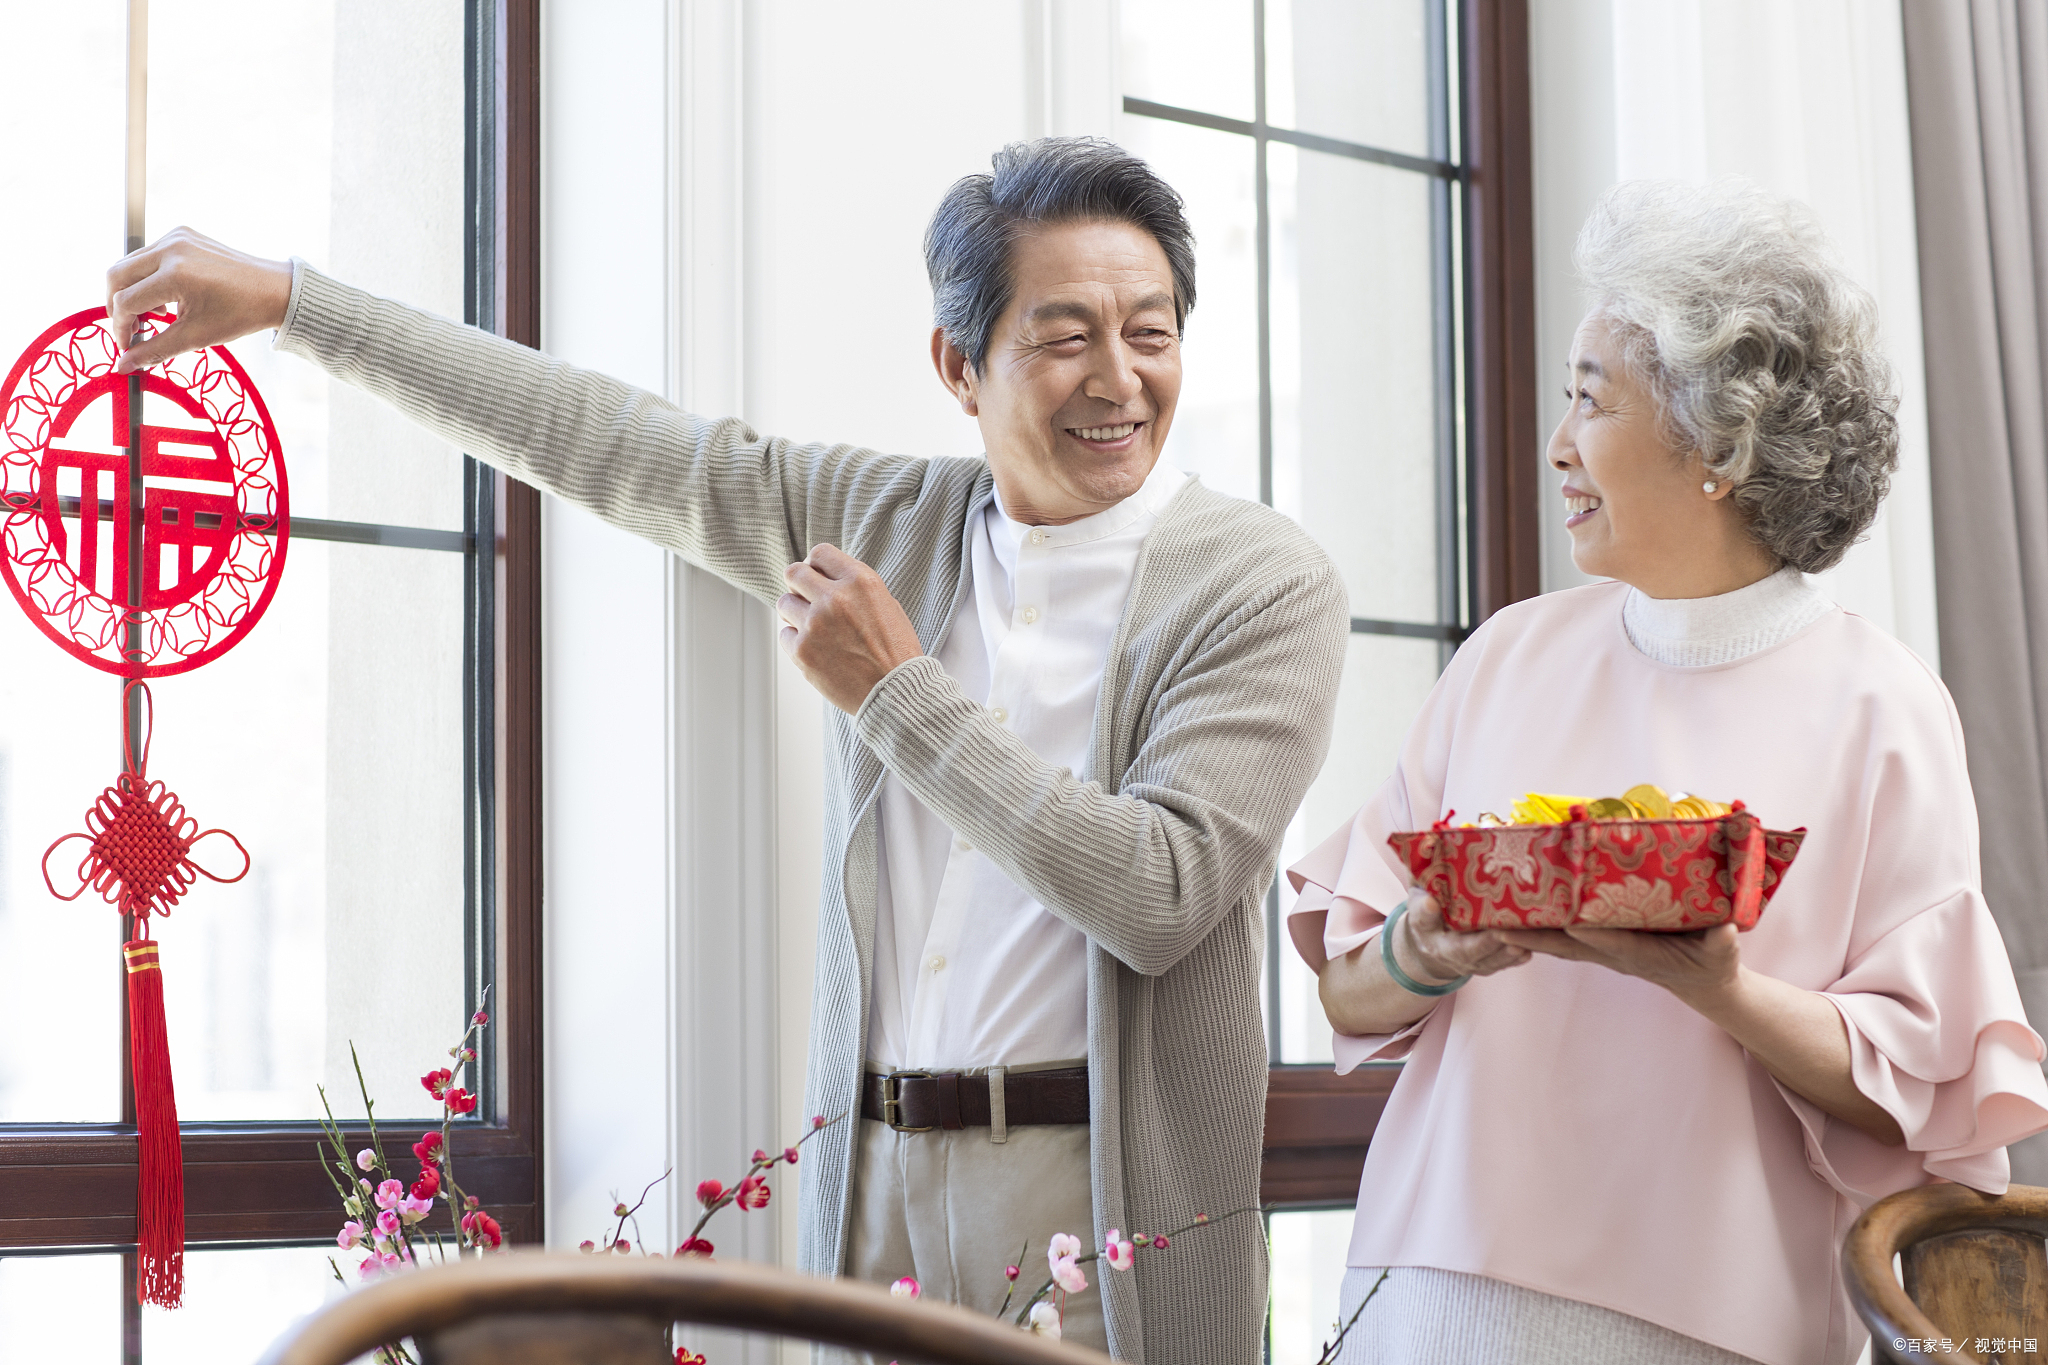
970, 970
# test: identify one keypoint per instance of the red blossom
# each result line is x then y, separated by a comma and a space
483, 1229
471, 1201
479, 1018
436, 1082
753, 1193
428, 1185
817, 1120
622, 1246
709, 1192
428, 1148
1160, 1243
760, 1157
696, 1246
685, 1356
789, 1155
586, 1246
459, 1101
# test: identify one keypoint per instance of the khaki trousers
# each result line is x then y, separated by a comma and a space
951, 1209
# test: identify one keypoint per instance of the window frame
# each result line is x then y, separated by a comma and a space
71, 1188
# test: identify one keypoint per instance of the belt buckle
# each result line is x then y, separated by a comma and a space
892, 1106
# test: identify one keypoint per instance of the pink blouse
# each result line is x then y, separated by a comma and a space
1582, 1133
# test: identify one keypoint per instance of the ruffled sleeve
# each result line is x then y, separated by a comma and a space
1937, 1039
1349, 882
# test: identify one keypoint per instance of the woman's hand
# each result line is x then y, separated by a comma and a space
1703, 961
220, 293
1421, 939
1363, 1001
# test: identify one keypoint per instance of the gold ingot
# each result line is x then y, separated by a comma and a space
1649, 799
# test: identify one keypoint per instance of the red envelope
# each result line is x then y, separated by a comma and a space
1664, 876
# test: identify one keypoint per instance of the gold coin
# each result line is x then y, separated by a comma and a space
1650, 798
1610, 808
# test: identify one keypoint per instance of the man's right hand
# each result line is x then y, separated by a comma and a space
219, 294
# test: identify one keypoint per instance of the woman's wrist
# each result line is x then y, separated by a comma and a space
1411, 960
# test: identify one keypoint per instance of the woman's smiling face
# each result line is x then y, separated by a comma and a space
1636, 507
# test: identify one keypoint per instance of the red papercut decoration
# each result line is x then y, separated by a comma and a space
1667, 876
139, 841
216, 511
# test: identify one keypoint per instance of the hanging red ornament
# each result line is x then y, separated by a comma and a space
214, 507
143, 549
138, 856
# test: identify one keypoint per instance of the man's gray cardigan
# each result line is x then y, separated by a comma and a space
1213, 718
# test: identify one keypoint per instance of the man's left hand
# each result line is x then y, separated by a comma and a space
1697, 963
841, 626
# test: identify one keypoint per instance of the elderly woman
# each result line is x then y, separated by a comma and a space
1616, 1146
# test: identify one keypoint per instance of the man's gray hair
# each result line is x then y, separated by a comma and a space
1761, 352
967, 248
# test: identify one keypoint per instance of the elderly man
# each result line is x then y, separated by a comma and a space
1079, 696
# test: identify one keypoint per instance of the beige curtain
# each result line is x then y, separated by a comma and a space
1977, 84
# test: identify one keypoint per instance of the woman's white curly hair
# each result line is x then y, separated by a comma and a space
1761, 352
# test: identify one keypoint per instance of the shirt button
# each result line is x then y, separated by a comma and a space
1038, 537
999, 713
963, 846
937, 964
1030, 615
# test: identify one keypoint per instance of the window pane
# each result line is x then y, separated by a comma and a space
356, 157
64, 1308
1352, 69
1215, 431
1192, 54
1308, 1251
1355, 401
245, 1297
330, 742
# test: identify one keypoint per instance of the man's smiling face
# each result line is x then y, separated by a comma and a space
1082, 373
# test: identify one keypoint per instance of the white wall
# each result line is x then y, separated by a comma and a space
1807, 98
734, 198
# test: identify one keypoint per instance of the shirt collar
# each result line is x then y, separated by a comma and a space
1153, 495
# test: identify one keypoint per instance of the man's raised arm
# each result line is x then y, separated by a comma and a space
738, 504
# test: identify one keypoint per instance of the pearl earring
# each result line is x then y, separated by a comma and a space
1709, 486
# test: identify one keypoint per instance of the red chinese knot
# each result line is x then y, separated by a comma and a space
139, 844
214, 500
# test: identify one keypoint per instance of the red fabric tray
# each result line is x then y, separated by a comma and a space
1665, 876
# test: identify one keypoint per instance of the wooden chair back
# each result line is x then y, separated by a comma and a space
541, 1308
1975, 1269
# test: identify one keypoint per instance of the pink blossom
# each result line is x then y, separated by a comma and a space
414, 1210
372, 1267
389, 1193
365, 1159
1117, 1251
350, 1235
387, 1223
586, 1246
906, 1288
709, 1192
753, 1193
1045, 1320
1060, 1255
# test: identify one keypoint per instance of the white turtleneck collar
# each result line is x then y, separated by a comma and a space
1692, 632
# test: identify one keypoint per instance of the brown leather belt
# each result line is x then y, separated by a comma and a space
919, 1101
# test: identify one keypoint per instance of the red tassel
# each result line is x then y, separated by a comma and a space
160, 1187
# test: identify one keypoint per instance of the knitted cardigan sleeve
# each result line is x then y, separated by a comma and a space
736, 503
